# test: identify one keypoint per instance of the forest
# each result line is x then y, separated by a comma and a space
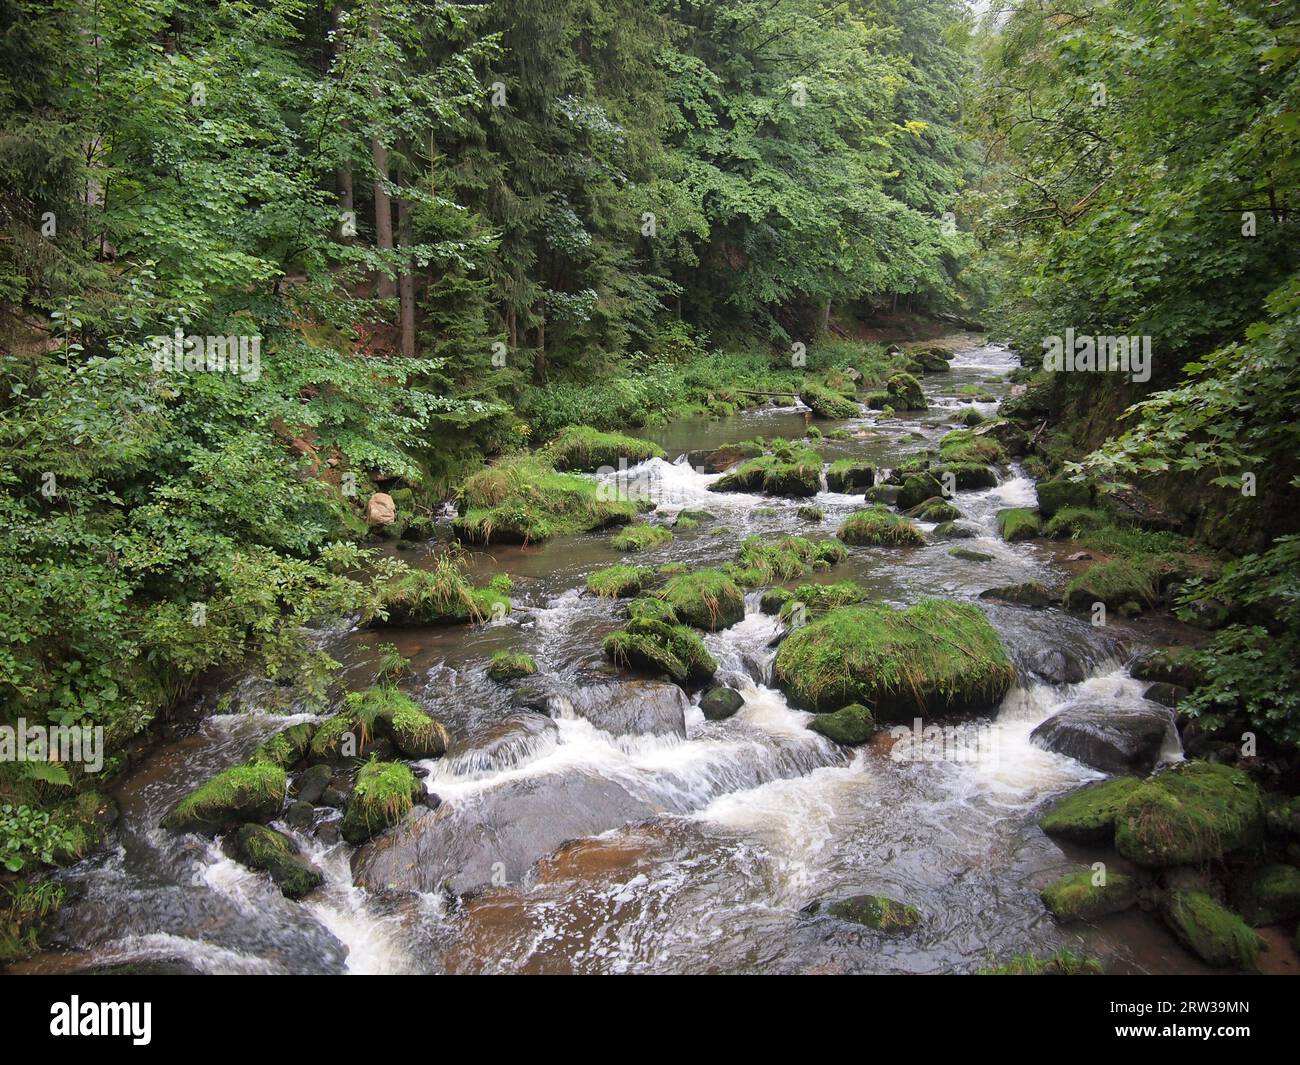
405, 368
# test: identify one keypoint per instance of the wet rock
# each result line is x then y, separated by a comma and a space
264, 849
1079, 897
1215, 935
1030, 593
1269, 894
723, 458
1111, 737
1088, 814
1169, 695
774, 599
384, 794
1169, 666
300, 815
874, 911
1191, 813
847, 475
1056, 665
252, 792
310, 784
328, 832
1059, 493
495, 835
956, 530
513, 740
884, 493
720, 703
1079, 556
851, 725
633, 707
380, 509
967, 555
935, 509
917, 488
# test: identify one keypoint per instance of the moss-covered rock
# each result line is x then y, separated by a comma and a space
1017, 523
442, 596
251, 792
1215, 935
523, 499
904, 392
886, 494
266, 850
1030, 593
972, 447
968, 555
1060, 492
878, 526
384, 794
640, 537
1192, 813
935, 509
813, 514
929, 360
850, 475
969, 417
917, 488
825, 403
580, 447
386, 710
707, 599
1088, 815
286, 748
1077, 896
817, 599
966, 475
1072, 522
936, 657
505, 666
620, 582
850, 725
1268, 894
874, 911
720, 703
661, 649
647, 608
1116, 583
791, 470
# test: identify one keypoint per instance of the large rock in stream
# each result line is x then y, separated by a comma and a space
494, 836
1112, 737
633, 707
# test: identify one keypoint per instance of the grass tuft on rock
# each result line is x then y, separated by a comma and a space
506, 666
967, 447
619, 582
790, 470
1017, 523
640, 538
581, 447
707, 599
441, 595
384, 794
661, 648
825, 403
878, 526
251, 792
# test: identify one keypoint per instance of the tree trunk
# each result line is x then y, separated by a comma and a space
512, 326
406, 279
539, 352
826, 318
343, 174
386, 287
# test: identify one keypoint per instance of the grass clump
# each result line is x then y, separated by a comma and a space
640, 538
650, 609
707, 599
1017, 523
813, 514
384, 794
850, 475
441, 595
287, 747
1088, 815
1076, 897
965, 446
506, 666
937, 656
523, 499
877, 525
766, 562
619, 582
1063, 963
790, 470
386, 709
1073, 522
661, 648
580, 447
935, 509
1122, 582
970, 417
825, 403
251, 792
818, 599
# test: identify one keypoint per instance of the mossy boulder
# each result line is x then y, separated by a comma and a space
851, 725
385, 710
286, 748
936, 657
935, 509
966, 475
1072, 522
972, 447
1079, 897
720, 703
661, 649
879, 526
904, 392
1088, 815
917, 488
1214, 934
1192, 813
1017, 523
825, 403
873, 911
1030, 593
929, 360
251, 792
505, 666
649, 609
1117, 583
817, 599
620, 582
810, 513
266, 850
640, 537
884, 493
1268, 894
968, 555
1060, 492
707, 599
443, 596
384, 794
581, 447
850, 475
791, 470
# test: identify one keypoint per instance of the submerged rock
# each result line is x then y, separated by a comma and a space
720, 703
1031, 593
1112, 737
874, 911
633, 707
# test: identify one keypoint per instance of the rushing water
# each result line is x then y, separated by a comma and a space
615, 849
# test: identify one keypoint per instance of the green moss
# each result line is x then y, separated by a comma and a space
876, 911
1075, 896
813, 514
851, 725
580, 447
523, 499
1029, 593
657, 647
967, 555
774, 599
1192, 813
672, 569
967, 447
850, 475
937, 656
506, 666
917, 488
441, 595
1072, 522
1088, 815
903, 392
827, 404
1063, 963
791, 470
707, 599
264, 849
1216, 935
1017, 523
876, 525
975, 392
1116, 583
386, 709
818, 599
762, 561
384, 794
287, 747
1269, 894
252, 792
970, 417
652, 610
619, 582
640, 538
934, 509
967, 474
1057, 494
